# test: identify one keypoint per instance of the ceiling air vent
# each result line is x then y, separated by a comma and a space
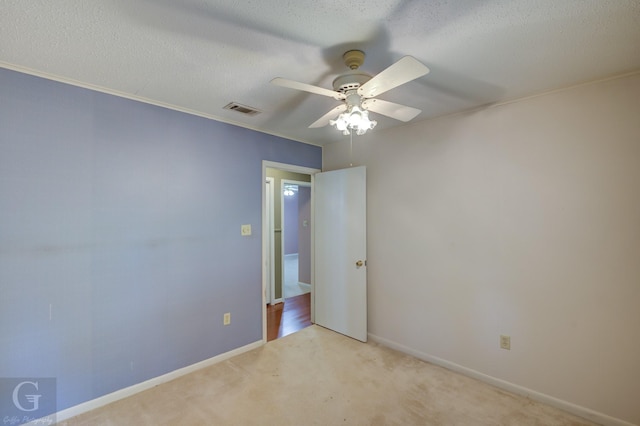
234, 106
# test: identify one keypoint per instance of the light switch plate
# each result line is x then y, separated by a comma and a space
245, 230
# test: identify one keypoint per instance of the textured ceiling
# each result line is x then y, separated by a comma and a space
199, 55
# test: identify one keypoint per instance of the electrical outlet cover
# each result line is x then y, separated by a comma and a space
505, 342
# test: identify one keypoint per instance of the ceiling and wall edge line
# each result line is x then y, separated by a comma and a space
512, 101
96, 88
561, 89
113, 92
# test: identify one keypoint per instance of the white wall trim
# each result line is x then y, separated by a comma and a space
148, 384
288, 168
578, 410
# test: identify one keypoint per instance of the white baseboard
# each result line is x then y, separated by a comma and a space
578, 410
148, 384
304, 285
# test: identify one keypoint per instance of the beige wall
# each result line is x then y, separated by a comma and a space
521, 219
277, 176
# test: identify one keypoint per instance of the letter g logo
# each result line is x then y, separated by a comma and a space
33, 399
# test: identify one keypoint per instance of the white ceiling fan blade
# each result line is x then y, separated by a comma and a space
324, 120
390, 109
307, 88
403, 71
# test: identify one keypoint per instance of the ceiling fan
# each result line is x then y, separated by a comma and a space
358, 90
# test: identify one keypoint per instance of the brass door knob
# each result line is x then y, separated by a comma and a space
359, 263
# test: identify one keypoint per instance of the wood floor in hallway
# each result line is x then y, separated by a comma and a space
285, 318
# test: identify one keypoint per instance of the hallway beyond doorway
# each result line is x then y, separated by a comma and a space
288, 317
294, 313
293, 287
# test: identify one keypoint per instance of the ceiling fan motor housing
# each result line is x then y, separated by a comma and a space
353, 59
350, 81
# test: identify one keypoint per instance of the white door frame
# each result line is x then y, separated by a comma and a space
283, 231
295, 169
267, 238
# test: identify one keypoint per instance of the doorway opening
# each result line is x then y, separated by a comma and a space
296, 237
287, 249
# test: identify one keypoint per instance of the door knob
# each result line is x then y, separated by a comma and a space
359, 263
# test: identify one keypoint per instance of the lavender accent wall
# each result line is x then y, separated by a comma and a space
291, 223
304, 234
120, 244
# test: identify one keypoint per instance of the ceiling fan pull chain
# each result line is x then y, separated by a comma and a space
351, 149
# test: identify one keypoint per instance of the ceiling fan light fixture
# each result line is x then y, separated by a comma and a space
355, 119
341, 124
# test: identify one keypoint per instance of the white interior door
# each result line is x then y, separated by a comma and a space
341, 251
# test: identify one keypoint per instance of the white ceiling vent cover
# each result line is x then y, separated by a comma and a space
244, 109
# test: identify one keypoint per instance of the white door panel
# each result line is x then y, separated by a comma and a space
340, 251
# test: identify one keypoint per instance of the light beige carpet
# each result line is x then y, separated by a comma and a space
317, 377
